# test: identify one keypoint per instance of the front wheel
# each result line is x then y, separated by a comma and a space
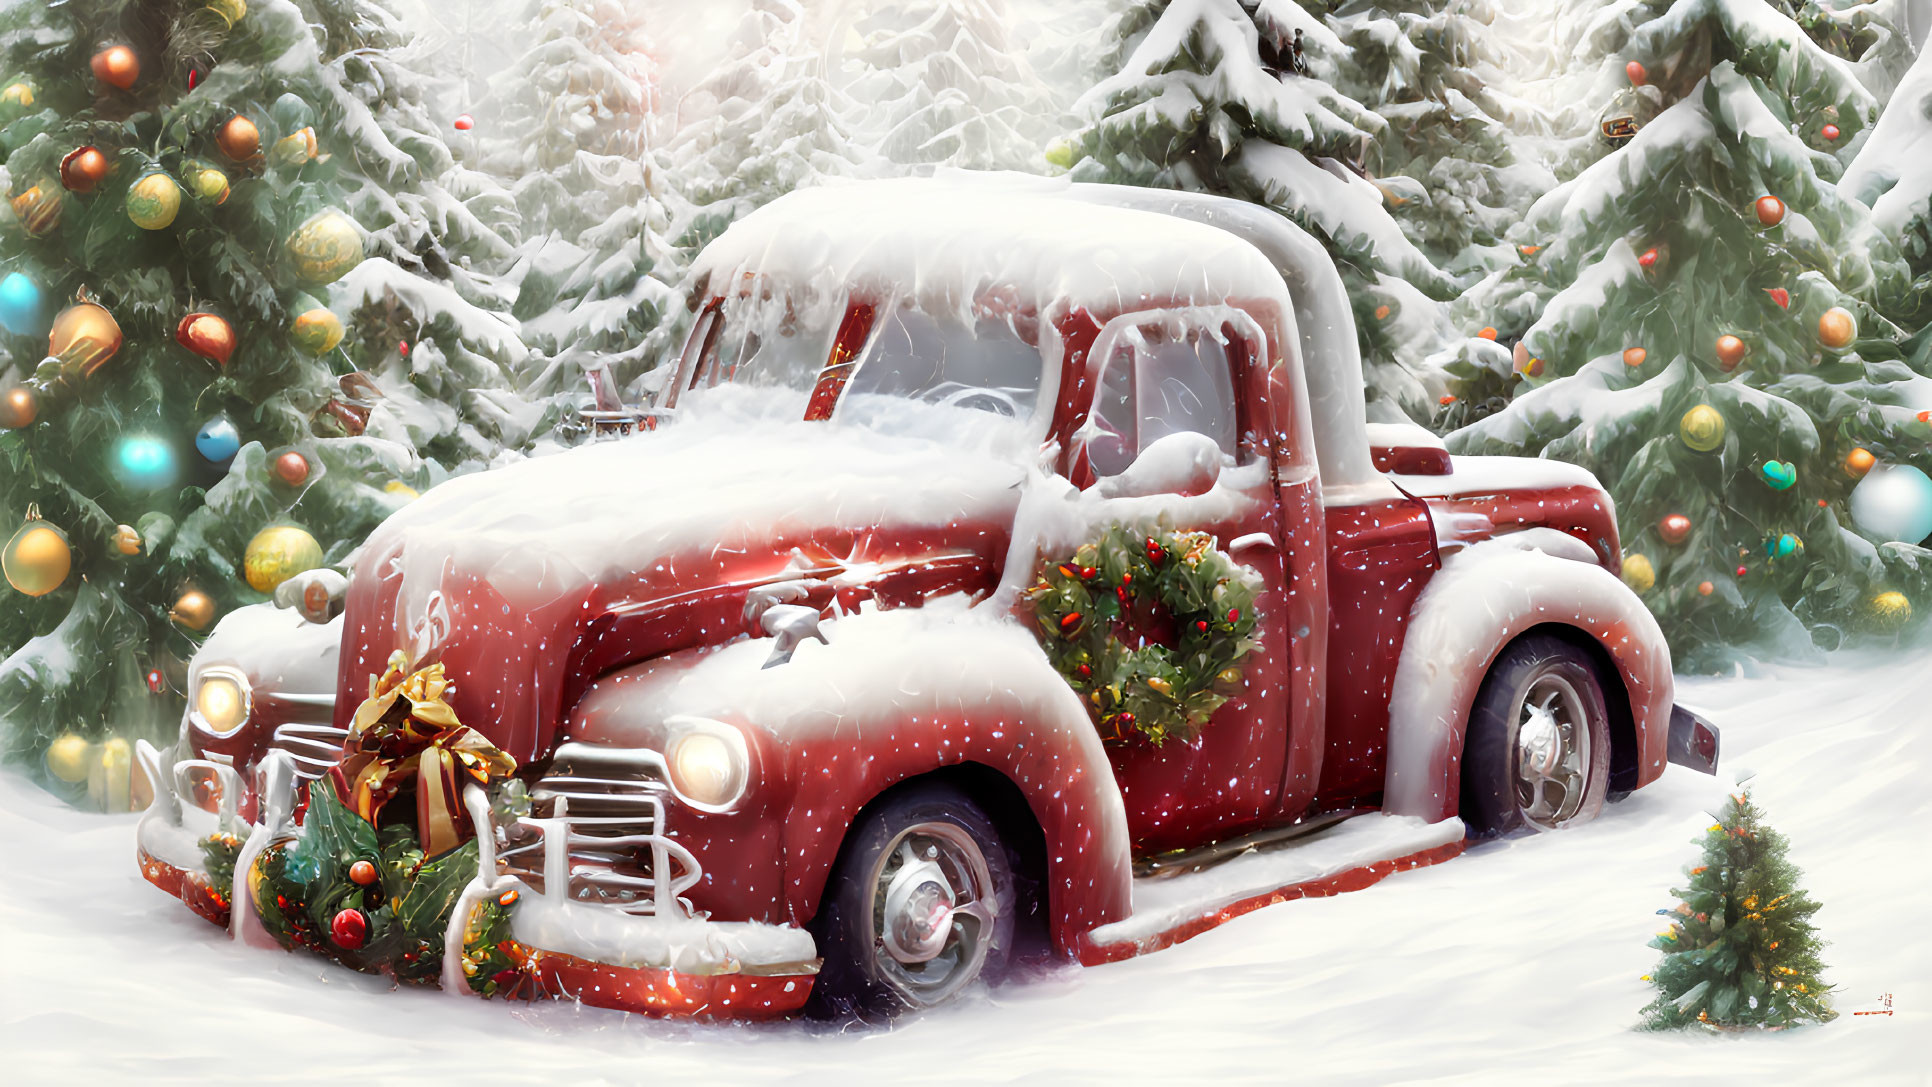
1537, 751
921, 904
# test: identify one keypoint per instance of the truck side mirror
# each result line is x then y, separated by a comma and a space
1183, 463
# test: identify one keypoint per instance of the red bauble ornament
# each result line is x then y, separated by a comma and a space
156, 683
1829, 132
1740, 571
349, 929
362, 874
116, 66
1638, 77
1634, 356
464, 122
1779, 295
1705, 588
1486, 333
1730, 352
1675, 529
1083, 670
194, 77
1445, 400
1648, 259
207, 335
83, 169
1770, 210
292, 468
402, 348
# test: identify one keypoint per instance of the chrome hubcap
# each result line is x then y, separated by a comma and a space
1552, 752
932, 912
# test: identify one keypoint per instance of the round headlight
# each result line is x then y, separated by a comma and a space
707, 768
221, 701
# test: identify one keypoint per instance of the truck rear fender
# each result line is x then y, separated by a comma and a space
1485, 597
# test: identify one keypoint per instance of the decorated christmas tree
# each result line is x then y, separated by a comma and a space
189, 183
575, 133
1741, 950
1709, 324
1219, 98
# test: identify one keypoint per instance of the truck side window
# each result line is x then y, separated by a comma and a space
1162, 380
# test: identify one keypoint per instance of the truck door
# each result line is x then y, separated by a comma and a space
1196, 371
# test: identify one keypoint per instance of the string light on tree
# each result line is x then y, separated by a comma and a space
144, 462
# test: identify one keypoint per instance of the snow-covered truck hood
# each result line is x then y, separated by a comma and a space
520, 579
1482, 497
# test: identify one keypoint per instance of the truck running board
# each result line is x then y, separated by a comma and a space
1346, 856
1182, 861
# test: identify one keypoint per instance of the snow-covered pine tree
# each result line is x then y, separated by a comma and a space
1741, 950
939, 82
576, 125
441, 234
224, 198
1715, 342
1893, 176
767, 120
1196, 106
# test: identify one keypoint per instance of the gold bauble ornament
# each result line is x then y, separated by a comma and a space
38, 558
1890, 611
193, 609
84, 337
323, 249
16, 98
127, 540
38, 208
278, 553
1702, 428
154, 201
1837, 328
1639, 574
207, 182
294, 149
231, 11
316, 330
67, 758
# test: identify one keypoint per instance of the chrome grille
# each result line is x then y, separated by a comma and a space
596, 824
313, 747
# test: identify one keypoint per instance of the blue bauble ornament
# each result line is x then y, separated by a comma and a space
23, 308
218, 441
144, 462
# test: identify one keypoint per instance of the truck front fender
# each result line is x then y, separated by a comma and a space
889, 696
1484, 598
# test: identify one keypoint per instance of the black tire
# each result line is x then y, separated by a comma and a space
1503, 793
864, 976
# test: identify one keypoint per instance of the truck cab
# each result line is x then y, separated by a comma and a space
776, 672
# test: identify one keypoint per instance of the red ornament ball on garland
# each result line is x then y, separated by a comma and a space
292, 468
1779, 295
1675, 529
464, 122
1634, 356
116, 66
402, 348
362, 874
1829, 132
1730, 352
1705, 588
156, 682
83, 169
349, 929
1740, 571
1638, 77
1770, 210
1648, 259
18, 408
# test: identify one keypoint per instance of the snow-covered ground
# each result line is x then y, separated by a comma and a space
1516, 963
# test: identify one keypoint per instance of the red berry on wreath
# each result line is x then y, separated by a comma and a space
1070, 620
1088, 573
1201, 625
505, 978
362, 873
1740, 571
1121, 592
1234, 615
350, 928
1126, 719
1083, 670
1155, 553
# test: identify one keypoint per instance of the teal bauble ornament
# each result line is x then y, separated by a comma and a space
23, 306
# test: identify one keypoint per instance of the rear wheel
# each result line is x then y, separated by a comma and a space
921, 904
1537, 751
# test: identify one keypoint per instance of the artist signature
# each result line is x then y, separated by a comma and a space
1885, 1008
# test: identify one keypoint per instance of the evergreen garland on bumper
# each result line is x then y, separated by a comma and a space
1741, 950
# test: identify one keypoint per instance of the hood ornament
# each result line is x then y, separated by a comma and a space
789, 624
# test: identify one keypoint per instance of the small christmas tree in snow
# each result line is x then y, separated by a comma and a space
1741, 950
1198, 106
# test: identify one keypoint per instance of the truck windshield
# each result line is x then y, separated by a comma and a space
968, 375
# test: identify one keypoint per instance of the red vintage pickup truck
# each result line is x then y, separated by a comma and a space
778, 670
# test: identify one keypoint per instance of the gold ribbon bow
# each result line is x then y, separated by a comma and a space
404, 732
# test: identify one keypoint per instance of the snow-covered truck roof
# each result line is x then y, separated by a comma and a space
942, 240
